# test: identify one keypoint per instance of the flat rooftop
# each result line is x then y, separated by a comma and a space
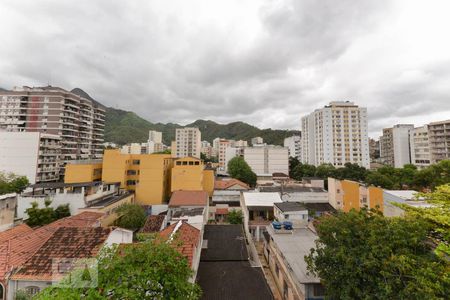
187, 212
294, 247
290, 206
292, 189
261, 199
225, 271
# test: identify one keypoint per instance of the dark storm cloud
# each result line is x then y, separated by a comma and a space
264, 62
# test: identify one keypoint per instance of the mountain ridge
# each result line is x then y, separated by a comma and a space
123, 127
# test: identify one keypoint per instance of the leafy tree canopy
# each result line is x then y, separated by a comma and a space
239, 169
235, 217
43, 216
149, 270
363, 255
131, 216
11, 183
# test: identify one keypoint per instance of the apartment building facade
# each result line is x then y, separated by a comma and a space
294, 145
336, 134
188, 142
420, 147
74, 116
395, 145
32, 154
439, 140
267, 159
346, 195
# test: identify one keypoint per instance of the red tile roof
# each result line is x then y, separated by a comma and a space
222, 211
226, 184
153, 224
19, 249
14, 232
188, 198
66, 242
83, 219
187, 234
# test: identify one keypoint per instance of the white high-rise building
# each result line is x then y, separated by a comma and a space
294, 144
31, 154
155, 136
266, 160
420, 147
394, 145
188, 142
336, 134
439, 138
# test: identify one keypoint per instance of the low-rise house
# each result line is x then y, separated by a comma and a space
298, 193
8, 203
394, 198
19, 243
232, 198
60, 252
258, 211
285, 256
190, 206
191, 242
318, 209
230, 184
77, 195
293, 212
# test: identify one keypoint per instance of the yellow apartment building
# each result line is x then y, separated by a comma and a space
346, 195
83, 171
189, 174
148, 175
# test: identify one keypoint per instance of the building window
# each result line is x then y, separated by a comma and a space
286, 216
131, 182
131, 172
136, 162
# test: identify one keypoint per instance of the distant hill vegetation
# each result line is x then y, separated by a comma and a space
124, 127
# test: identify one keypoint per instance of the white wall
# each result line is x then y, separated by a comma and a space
119, 236
401, 145
19, 153
75, 202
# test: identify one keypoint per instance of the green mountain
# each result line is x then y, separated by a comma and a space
124, 127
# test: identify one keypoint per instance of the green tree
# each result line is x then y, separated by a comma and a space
293, 162
437, 217
62, 211
303, 170
11, 183
363, 255
351, 172
325, 170
239, 169
40, 216
381, 180
150, 270
131, 216
235, 217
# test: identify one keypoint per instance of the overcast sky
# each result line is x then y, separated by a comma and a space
263, 62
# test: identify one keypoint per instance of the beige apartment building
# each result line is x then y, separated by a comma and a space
420, 147
395, 145
73, 116
439, 139
336, 134
188, 142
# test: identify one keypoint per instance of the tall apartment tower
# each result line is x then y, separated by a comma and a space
394, 145
73, 116
188, 142
336, 134
420, 147
155, 136
439, 138
267, 159
294, 144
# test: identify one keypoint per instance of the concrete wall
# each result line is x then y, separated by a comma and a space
19, 153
